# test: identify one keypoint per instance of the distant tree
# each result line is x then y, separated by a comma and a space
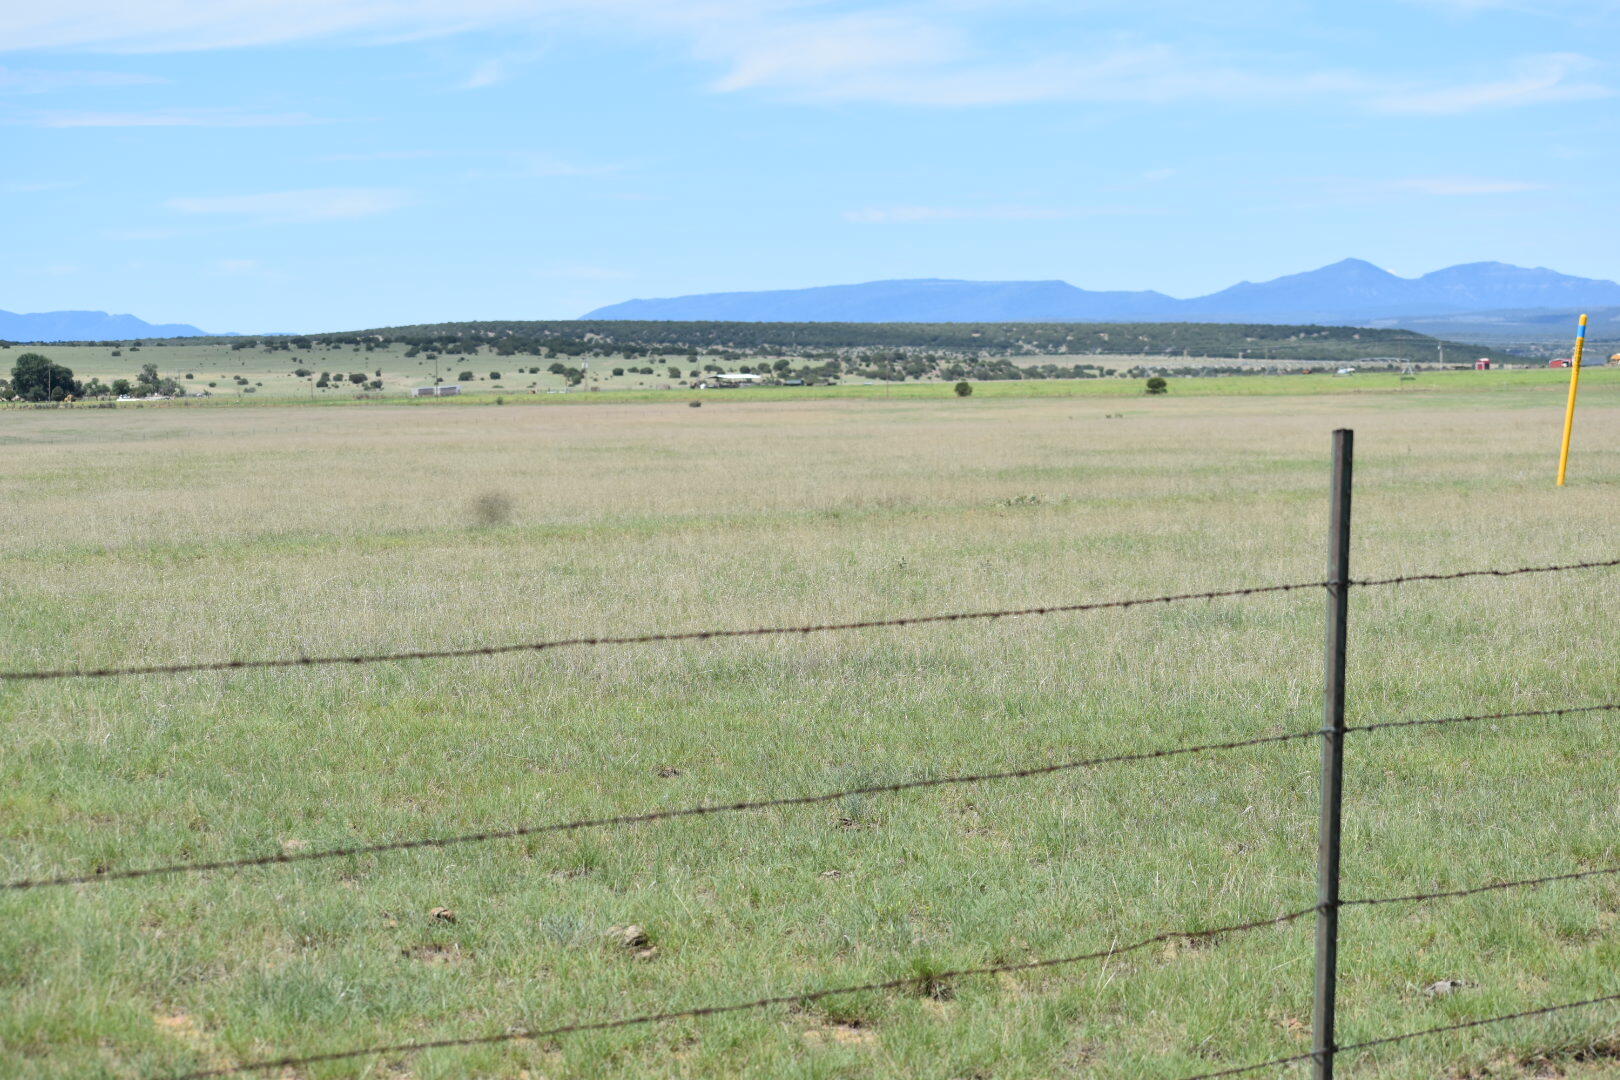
618, 371
374, 384
302, 373
1157, 385
964, 389
465, 376
35, 378
494, 376
358, 378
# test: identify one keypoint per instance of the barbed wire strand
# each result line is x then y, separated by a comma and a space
801, 997
1346, 1048
640, 639
804, 997
761, 631
520, 831
1438, 721
1406, 579
1544, 1010
1522, 883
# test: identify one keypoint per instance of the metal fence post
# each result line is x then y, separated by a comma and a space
1323, 1047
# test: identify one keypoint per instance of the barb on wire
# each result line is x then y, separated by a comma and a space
1544, 1010
800, 997
1404, 579
641, 639
1522, 883
651, 815
1574, 710
1345, 1048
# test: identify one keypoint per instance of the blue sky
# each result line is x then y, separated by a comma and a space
325, 164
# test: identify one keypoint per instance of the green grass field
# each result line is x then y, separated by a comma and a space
169, 534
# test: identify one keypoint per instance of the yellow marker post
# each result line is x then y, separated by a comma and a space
1569, 410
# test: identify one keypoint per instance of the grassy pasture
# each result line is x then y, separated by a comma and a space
172, 534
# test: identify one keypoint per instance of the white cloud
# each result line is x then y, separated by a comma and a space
297, 207
43, 81
218, 118
1535, 80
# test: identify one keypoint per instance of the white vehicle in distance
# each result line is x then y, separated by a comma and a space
732, 379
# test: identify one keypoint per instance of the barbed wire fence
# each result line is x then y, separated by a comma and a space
1325, 1048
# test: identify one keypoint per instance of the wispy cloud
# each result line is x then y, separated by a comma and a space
191, 118
921, 215
1536, 80
485, 74
31, 187
381, 155
1463, 185
910, 61
539, 165
297, 207
811, 51
138, 235
582, 272
1346, 189
44, 81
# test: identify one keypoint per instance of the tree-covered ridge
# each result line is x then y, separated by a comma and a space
846, 341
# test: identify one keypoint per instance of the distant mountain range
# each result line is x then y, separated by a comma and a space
1349, 292
1474, 301
86, 326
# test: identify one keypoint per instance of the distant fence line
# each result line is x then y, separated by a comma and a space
1325, 1047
